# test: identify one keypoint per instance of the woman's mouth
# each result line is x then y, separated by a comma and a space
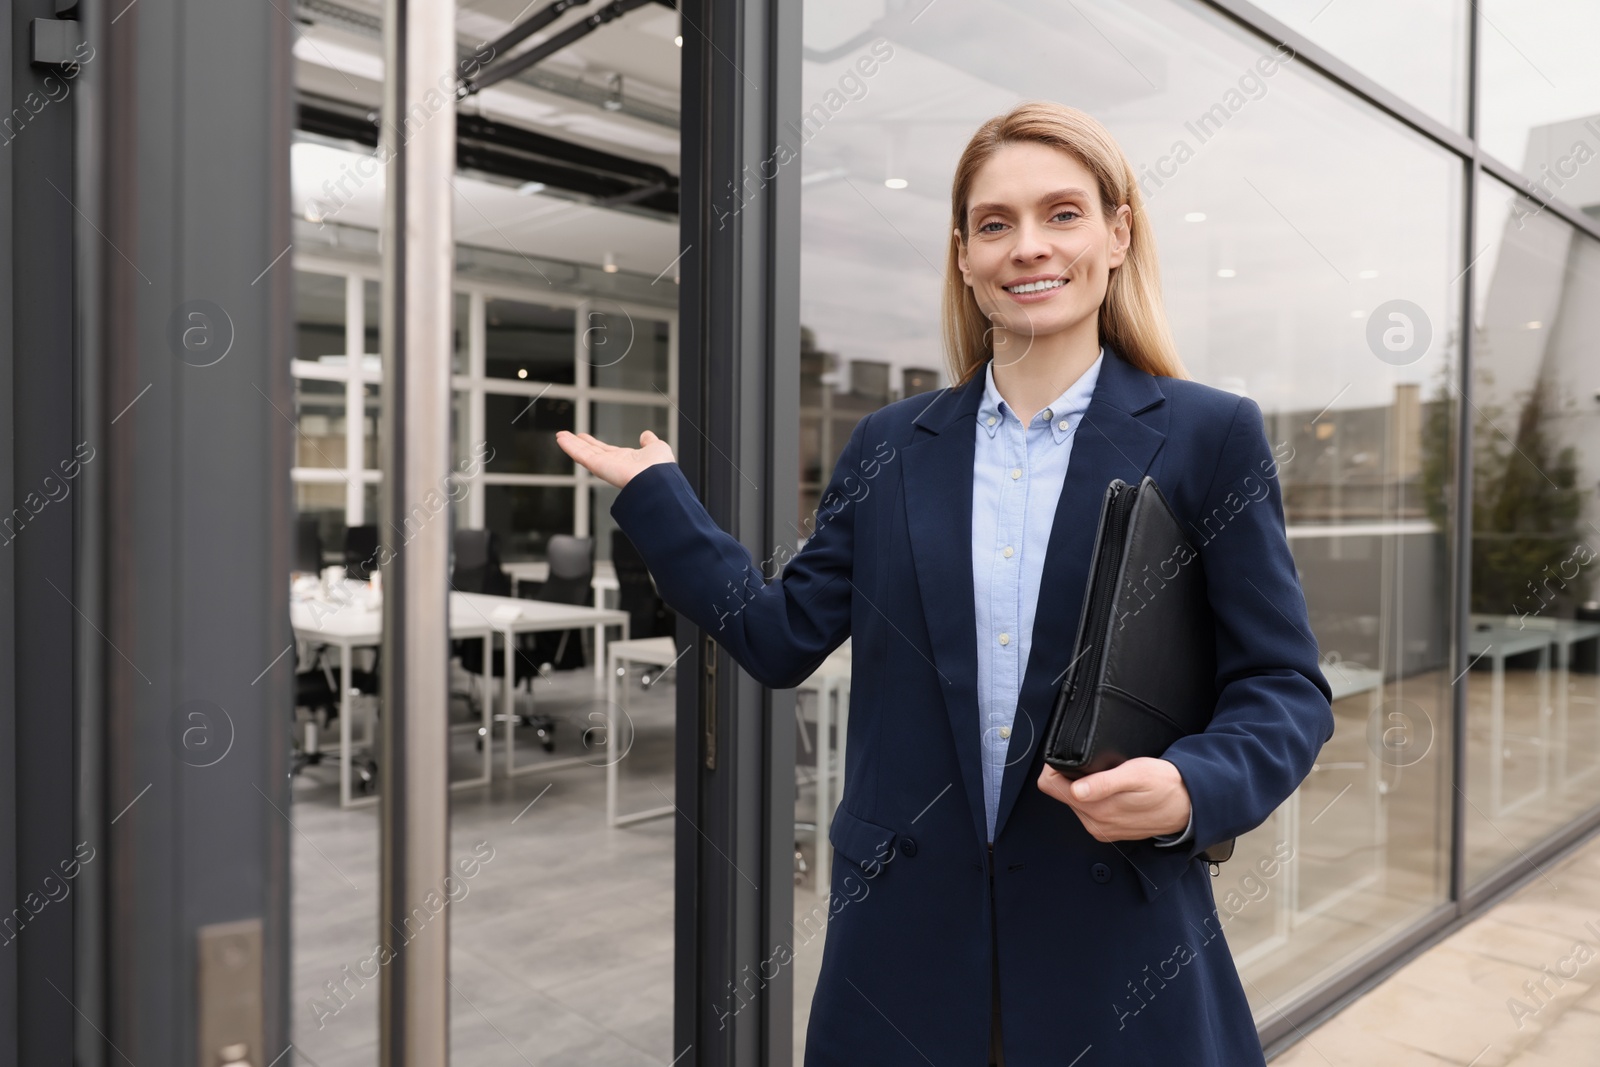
1038, 289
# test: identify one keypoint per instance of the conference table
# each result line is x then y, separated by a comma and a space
351, 617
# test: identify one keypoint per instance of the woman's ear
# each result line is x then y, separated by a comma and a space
1121, 236
961, 257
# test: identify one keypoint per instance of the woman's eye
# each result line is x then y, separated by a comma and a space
985, 227
1063, 211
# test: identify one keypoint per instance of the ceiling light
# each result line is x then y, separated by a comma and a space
529, 188
1357, 313
522, 372
1226, 272
1534, 325
678, 40
609, 265
895, 183
1195, 216
1368, 274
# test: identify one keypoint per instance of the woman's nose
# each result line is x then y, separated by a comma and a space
1030, 245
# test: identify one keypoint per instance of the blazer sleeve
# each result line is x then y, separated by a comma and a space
1273, 712
780, 630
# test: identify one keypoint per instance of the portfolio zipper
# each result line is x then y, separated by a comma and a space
1103, 582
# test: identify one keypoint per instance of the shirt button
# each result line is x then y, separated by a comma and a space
1063, 424
1100, 873
1048, 415
1008, 552
1016, 472
991, 420
1005, 639
1005, 731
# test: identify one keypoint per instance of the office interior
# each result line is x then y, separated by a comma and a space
1313, 187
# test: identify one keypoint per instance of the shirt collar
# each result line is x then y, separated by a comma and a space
1062, 414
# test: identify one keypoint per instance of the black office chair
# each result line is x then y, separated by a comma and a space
307, 544
570, 582
360, 552
476, 568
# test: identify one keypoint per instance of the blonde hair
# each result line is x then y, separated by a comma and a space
1132, 319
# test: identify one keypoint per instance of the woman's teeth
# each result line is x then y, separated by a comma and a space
1035, 287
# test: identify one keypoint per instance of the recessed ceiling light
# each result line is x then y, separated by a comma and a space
896, 183
522, 372
1226, 272
529, 188
1195, 216
678, 40
1357, 313
1534, 325
609, 265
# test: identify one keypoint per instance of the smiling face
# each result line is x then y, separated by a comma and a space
1039, 250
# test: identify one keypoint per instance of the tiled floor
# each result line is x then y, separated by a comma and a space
561, 941
1520, 986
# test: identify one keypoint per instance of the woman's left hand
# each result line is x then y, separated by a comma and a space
1140, 798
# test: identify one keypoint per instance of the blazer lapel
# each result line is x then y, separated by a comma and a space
1118, 437
937, 473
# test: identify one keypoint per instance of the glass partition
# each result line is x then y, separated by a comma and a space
1533, 691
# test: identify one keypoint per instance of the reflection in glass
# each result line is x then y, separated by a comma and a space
320, 418
1533, 743
1421, 55
522, 432
1539, 92
529, 342
1271, 294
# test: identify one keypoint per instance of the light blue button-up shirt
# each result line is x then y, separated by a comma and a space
1017, 474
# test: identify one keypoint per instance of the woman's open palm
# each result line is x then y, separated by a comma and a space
612, 463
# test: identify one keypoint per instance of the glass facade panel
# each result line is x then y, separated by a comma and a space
626, 351
1273, 290
1421, 55
319, 408
530, 342
1539, 94
1533, 694
618, 424
524, 516
522, 432
319, 315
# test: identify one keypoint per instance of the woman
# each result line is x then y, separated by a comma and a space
984, 911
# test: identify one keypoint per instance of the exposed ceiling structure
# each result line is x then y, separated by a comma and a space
575, 155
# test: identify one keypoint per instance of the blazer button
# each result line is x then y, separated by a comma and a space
1100, 872
908, 846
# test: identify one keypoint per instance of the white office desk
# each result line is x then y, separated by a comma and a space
509, 616
358, 623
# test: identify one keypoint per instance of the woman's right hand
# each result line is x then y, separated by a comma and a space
611, 463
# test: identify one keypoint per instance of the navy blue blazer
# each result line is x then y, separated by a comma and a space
1108, 951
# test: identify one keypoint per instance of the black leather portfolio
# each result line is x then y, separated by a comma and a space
1143, 671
